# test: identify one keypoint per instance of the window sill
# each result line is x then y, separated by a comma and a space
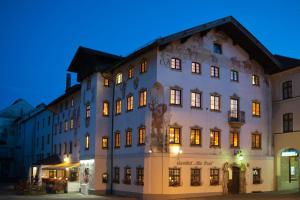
129, 110
141, 144
126, 146
212, 110
195, 73
143, 106
195, 145
176, 105
196, 108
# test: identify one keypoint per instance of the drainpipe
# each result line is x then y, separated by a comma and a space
112, 136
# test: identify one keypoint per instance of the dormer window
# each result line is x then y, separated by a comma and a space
217, 48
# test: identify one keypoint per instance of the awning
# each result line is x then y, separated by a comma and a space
60, 166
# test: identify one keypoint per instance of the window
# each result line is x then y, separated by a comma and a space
195, 177
234, 139
54, 151
72, 123
196, 68
139, 176
70, 147
214, 72
105, 111
256, 175
106, 82
65, 148
195, 137
72, 102
66, 126
104, 178
143, 98
128, 138
141, 136
119, 78
87, 142
43, 143
118, 107
49, 120
88, 84
217, 48
215, 102
130, 73
175, 97
143, 66
104, 142
234, 75
255, 80
256, 141
174, 135
48, 139
127, 175
87, 111
176, 63
287, 90
214, 138
129, 102
59, 149
195, 99
214, 176
117, 140
174, 177
116, 175
60, 127
255, 109
288, 122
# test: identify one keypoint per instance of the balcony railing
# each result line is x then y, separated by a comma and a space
236, 117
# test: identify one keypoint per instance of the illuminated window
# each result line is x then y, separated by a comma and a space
118, 107
127, 175
174, 135
104, 178
287, 91
215, 102
255, 109
130, 73
195, 99
140, 176
104, 142
129, 102
214, 176
234, 75
174, 177
141, 136
287, 122
217, 48
116, 178
214, 138
117, 140
66, 126
195, 137
214, 72
143, 98
71, 123
87, 111
175, 97
196, 68
234, 139
106, 82
128, 138
255, 80
195, 177
256, 141
88, 84
256, 175
143, 66
176, 63
87, 141
105, 110
119, 78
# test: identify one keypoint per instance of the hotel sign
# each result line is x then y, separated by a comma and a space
200, 163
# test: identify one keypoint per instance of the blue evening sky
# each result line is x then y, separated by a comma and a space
39, 38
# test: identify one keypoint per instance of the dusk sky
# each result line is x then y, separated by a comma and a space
39, 38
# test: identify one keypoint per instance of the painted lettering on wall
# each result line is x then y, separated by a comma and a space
202, 163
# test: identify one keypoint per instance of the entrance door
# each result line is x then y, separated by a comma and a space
235, 187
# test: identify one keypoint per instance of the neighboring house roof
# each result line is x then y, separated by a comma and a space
18, 108
229, 25
87, 61
73, 89
287, 62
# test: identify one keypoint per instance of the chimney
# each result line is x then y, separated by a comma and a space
68, 81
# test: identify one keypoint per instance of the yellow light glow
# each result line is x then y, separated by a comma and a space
66, 159
175, 149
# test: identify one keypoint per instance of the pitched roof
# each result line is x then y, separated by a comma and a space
229, 25
69, 92
287, 62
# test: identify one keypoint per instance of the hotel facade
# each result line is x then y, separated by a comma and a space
208, 110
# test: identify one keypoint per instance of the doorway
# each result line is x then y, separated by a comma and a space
235, 184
